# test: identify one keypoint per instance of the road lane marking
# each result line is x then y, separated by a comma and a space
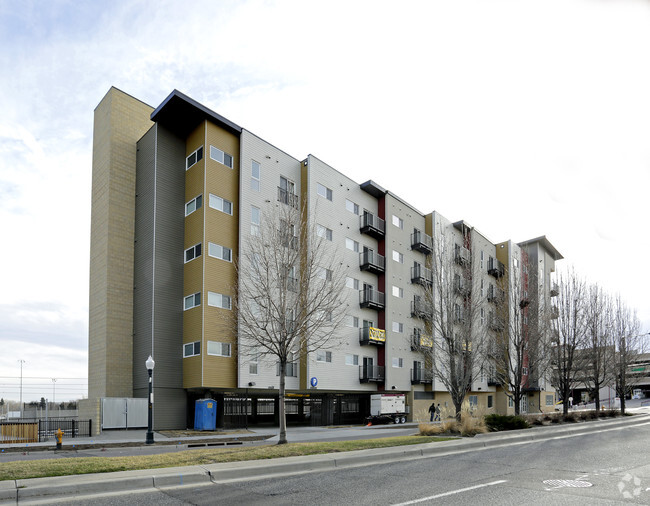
452, 492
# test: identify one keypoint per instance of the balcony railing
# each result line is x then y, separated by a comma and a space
289, 241
372, 262
421, 309
372, 299
421, 377
291, 370
496, 268
555, 290
371, 373
372, 225
461, 255
421, 342
287, 197
421, 275
461, 285
496, 323
492, 381
422, 242
372, 335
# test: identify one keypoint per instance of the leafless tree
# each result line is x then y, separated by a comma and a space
570, 326
599, 370
520, 348
453, 312
289, 299
627, 343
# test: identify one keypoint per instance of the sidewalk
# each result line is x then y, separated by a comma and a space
38, 488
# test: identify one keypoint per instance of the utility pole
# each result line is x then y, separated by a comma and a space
21, 387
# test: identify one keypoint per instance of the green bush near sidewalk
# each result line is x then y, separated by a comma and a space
505, 422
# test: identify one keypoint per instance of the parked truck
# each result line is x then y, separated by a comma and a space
387, 408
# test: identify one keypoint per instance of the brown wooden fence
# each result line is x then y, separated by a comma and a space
19, 432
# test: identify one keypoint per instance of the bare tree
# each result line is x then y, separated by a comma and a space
452, 308
599, 370
519, 350
569, 325
289, 299
626, 342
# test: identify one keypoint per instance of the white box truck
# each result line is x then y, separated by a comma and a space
386, 408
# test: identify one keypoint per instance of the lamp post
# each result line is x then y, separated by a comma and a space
150, 364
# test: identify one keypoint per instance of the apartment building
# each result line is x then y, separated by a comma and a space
177, 190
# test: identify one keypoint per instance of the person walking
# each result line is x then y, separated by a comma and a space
432, 411
437, 417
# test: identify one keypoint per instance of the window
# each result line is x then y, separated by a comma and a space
353, 321
256, 220
192, 349
223, 205
398, 327
193, 252
398, 362
524, 371
352, 207
218, 349
325, 274
255, 176
218, 251
352, 283
219, 300
324, 191
482, 257
323, 356
351, 359
482, 316
482, 288
197, 156
398, 292
398, 257
490, 404
193, 205
351, 244
473, 401
549, 400
219, 156
192, 301
325, 232
511, 403
253, 364
398, 222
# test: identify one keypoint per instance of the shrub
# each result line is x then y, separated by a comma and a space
505, 422
569, 418
427, 429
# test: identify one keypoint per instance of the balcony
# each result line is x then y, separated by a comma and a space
496, 268
555, 290
371, 374
496, 323
422, 242
372, 262
461, 255
372, 335
421, 309
287, 197
291, 371
372, 225
420, 342
421, 276
289, 241
421, 377
495, 295
372, 299
492, 381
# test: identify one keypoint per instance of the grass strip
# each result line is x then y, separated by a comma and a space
20, 470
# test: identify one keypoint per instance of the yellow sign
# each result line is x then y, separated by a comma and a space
426, 341
209, 405
378, 335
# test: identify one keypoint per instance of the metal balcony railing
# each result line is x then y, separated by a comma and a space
371, 373
372, 262
372, 335
422, 242
496, 268
461, 255
421, 309
421, 377
372, 299
372, 225
421, 276
287, 197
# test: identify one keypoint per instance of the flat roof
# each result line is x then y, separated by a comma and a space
546, 244
181, 114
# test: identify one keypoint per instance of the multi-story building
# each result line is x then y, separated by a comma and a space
176, 191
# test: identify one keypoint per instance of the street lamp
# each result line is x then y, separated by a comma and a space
150, 364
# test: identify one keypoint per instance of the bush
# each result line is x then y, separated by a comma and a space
505, 422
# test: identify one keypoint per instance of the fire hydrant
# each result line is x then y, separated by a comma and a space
59, 438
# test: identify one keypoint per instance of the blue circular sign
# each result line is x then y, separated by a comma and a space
314, 381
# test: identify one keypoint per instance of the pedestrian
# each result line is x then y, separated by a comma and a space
432, 411
437, 417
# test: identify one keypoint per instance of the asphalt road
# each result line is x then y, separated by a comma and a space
609, 467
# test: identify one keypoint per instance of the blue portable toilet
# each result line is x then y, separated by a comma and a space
205, 414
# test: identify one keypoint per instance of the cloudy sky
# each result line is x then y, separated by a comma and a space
524, 118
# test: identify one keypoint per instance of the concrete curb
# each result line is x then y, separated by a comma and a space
34, 488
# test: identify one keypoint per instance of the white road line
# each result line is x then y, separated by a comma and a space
452, 492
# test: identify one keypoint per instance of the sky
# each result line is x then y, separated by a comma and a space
523, 118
